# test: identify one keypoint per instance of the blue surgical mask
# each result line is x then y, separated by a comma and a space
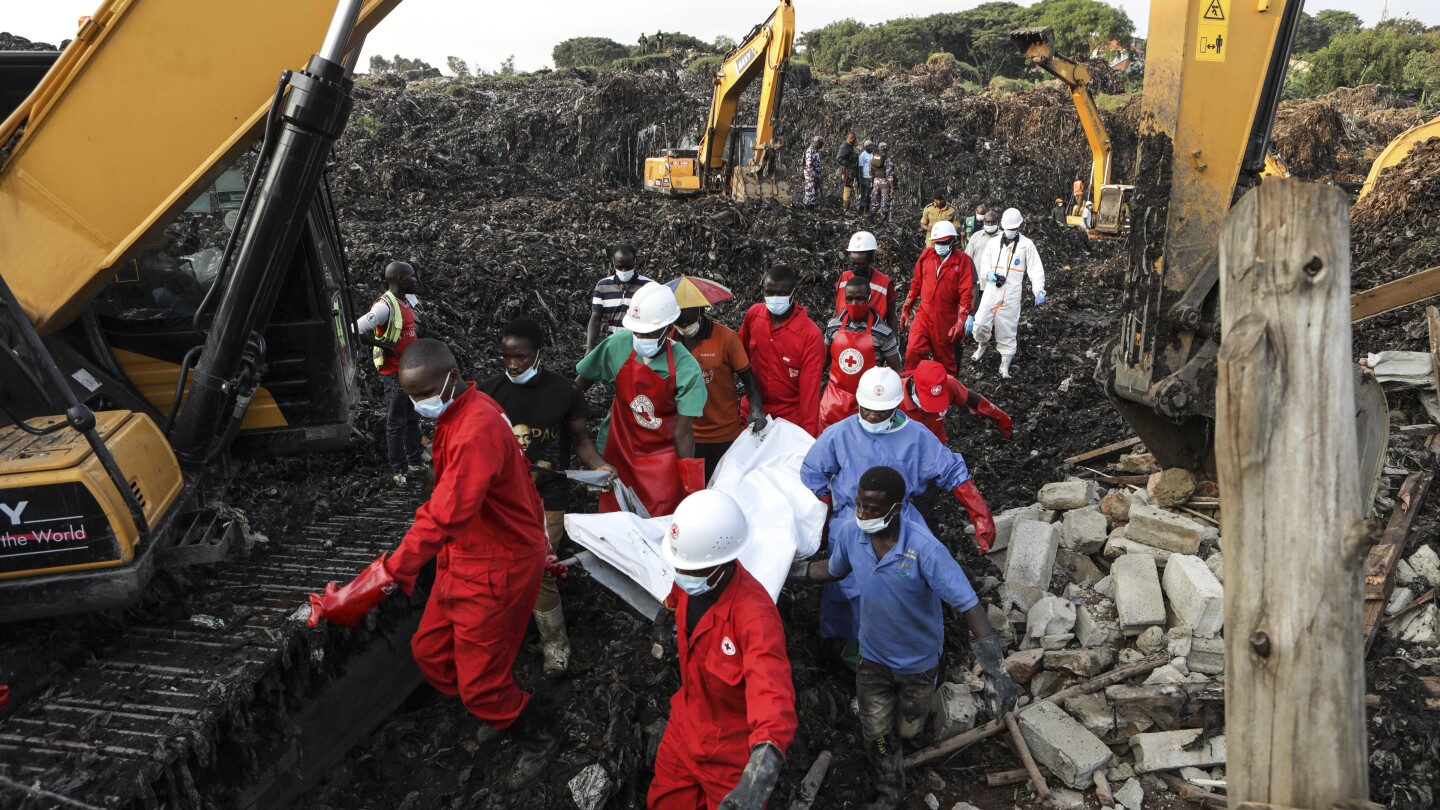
942, 248
693, 585
992, 229
527, 375
875, 525
433, 407
647, 347
624, 275
777, 304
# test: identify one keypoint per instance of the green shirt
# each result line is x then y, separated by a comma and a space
603, 363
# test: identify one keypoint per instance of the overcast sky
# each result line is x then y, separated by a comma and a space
483, 34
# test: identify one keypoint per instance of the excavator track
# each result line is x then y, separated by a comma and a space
183, 712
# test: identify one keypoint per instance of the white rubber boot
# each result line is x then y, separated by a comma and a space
554, 643
1005, 365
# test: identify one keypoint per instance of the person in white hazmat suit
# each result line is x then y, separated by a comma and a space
1007, 259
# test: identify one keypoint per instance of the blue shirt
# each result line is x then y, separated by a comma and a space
844, 452
865, 164
901, 625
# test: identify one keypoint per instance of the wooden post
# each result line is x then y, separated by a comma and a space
1288, 464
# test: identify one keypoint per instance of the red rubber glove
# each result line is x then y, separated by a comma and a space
348, 605
555, 568
958, 330
4, 695
905, 317
987, 409
692, 474
969, 497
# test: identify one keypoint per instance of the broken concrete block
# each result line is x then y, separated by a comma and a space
1178, 642
1138, 599
1056, 641
1020, 596
1196, 596
953, 710
1191, 774
1164, 750
1131, 796
1207, 655
1399, 600
1066, 799
1165, 674
1072, 494
1172, 487
1116, 507
1045, 684
1106, 586
591, 787
1050, 616
1023, 665
1031, 561
1138, 464
1060, 743
1096, 623
932, 802
1119, 772
1119, 545
1079, 567
1112, 724
1404, 574
1180, 666
1083, 530
1161, 529
1151, 641
1426, 565
1420, 627
1216, 564
1086, 662
1005, 523
1001, 623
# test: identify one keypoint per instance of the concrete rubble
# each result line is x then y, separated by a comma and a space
1063, 746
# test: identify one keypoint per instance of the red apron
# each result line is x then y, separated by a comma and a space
641, 443
851, 354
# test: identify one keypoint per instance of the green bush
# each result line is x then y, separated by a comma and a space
705, 65
588, 51
649, 61
368, 124
941, 60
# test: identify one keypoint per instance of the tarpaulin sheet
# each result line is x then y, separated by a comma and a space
762, 474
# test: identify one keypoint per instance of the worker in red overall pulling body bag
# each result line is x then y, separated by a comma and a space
734, 715
859, 341
484, 526
659, 391
943, 286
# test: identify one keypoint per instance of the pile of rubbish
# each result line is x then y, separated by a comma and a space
1337, 135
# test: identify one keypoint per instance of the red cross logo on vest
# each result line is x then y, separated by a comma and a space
644, 411
727, 646
851, 361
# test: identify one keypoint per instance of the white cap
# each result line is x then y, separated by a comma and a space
652, 307
880, 389
862, 241
1011, 219
942, 229
707, 529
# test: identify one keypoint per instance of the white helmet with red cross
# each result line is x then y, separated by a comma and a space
652, 307
707, 529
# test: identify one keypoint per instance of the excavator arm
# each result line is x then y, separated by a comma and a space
1038, 46
764, 54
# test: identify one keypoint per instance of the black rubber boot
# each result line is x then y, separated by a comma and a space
887, 763
538, 746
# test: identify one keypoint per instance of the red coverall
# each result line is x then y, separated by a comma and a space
485, 527
880, 291
945, 289
735, 693
789, 364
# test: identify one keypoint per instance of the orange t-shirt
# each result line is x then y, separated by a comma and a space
721, 356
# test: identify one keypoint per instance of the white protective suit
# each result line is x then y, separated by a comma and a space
999, 309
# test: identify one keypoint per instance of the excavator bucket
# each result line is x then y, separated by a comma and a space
1035, 44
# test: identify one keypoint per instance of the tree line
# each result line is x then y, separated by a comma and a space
1334, 49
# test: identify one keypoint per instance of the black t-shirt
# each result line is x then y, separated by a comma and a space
540, 412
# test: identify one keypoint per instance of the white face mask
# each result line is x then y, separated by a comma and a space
693, 585
412, 300
624, 275
647, 347
874, 427
875, 525
527, 375
942, 248
777, 304
992, 228
1011, 233
433, 407
689, 331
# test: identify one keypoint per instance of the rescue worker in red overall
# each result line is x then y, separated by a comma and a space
734, 715
787, 352
484, 526
930, 392
882, 289
659, 390
859, 341
392, 321
943, 284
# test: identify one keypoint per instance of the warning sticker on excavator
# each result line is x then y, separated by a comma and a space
1213, 30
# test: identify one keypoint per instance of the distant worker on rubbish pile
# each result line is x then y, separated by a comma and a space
813, 169
930, 392
848, 172
937, 211
866, 179
611, 298
881, 434
1058, 212
1003, 268
901, 574
861, 260
973, 223
659, 391
787, 352
734, 715
859, 341
484, 527
547, 415
882, 181
941, 292
392, 321
723, 360
1087, 215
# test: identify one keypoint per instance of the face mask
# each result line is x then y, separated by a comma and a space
624, 275
858, 312
874, 525
527, 375
992, 228
433, 407
777, 304
412, 300
693, 585
689, 331
942, 248
916, 399
1011, 233
647, 347
874, 427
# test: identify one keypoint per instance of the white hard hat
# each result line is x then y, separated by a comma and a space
862, 241
942, 229
707, 529
653, 307
880, 389
1011, 219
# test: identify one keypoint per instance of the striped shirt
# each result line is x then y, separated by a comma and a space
612, 298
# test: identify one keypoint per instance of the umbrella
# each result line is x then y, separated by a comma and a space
698, 292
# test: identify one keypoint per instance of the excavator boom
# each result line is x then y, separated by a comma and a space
1038, 46
765, 53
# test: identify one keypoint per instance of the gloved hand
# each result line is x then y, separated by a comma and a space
348, 605
969, 497
994, 277
4, 695
1001, 419
970, 325
554, 567
692, 474
756, 781
960, 324
1000, 694
758, 421
800, 569
1040, 298
905, 317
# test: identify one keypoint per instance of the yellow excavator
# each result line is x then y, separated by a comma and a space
171, 282
734, 159
1397, 150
